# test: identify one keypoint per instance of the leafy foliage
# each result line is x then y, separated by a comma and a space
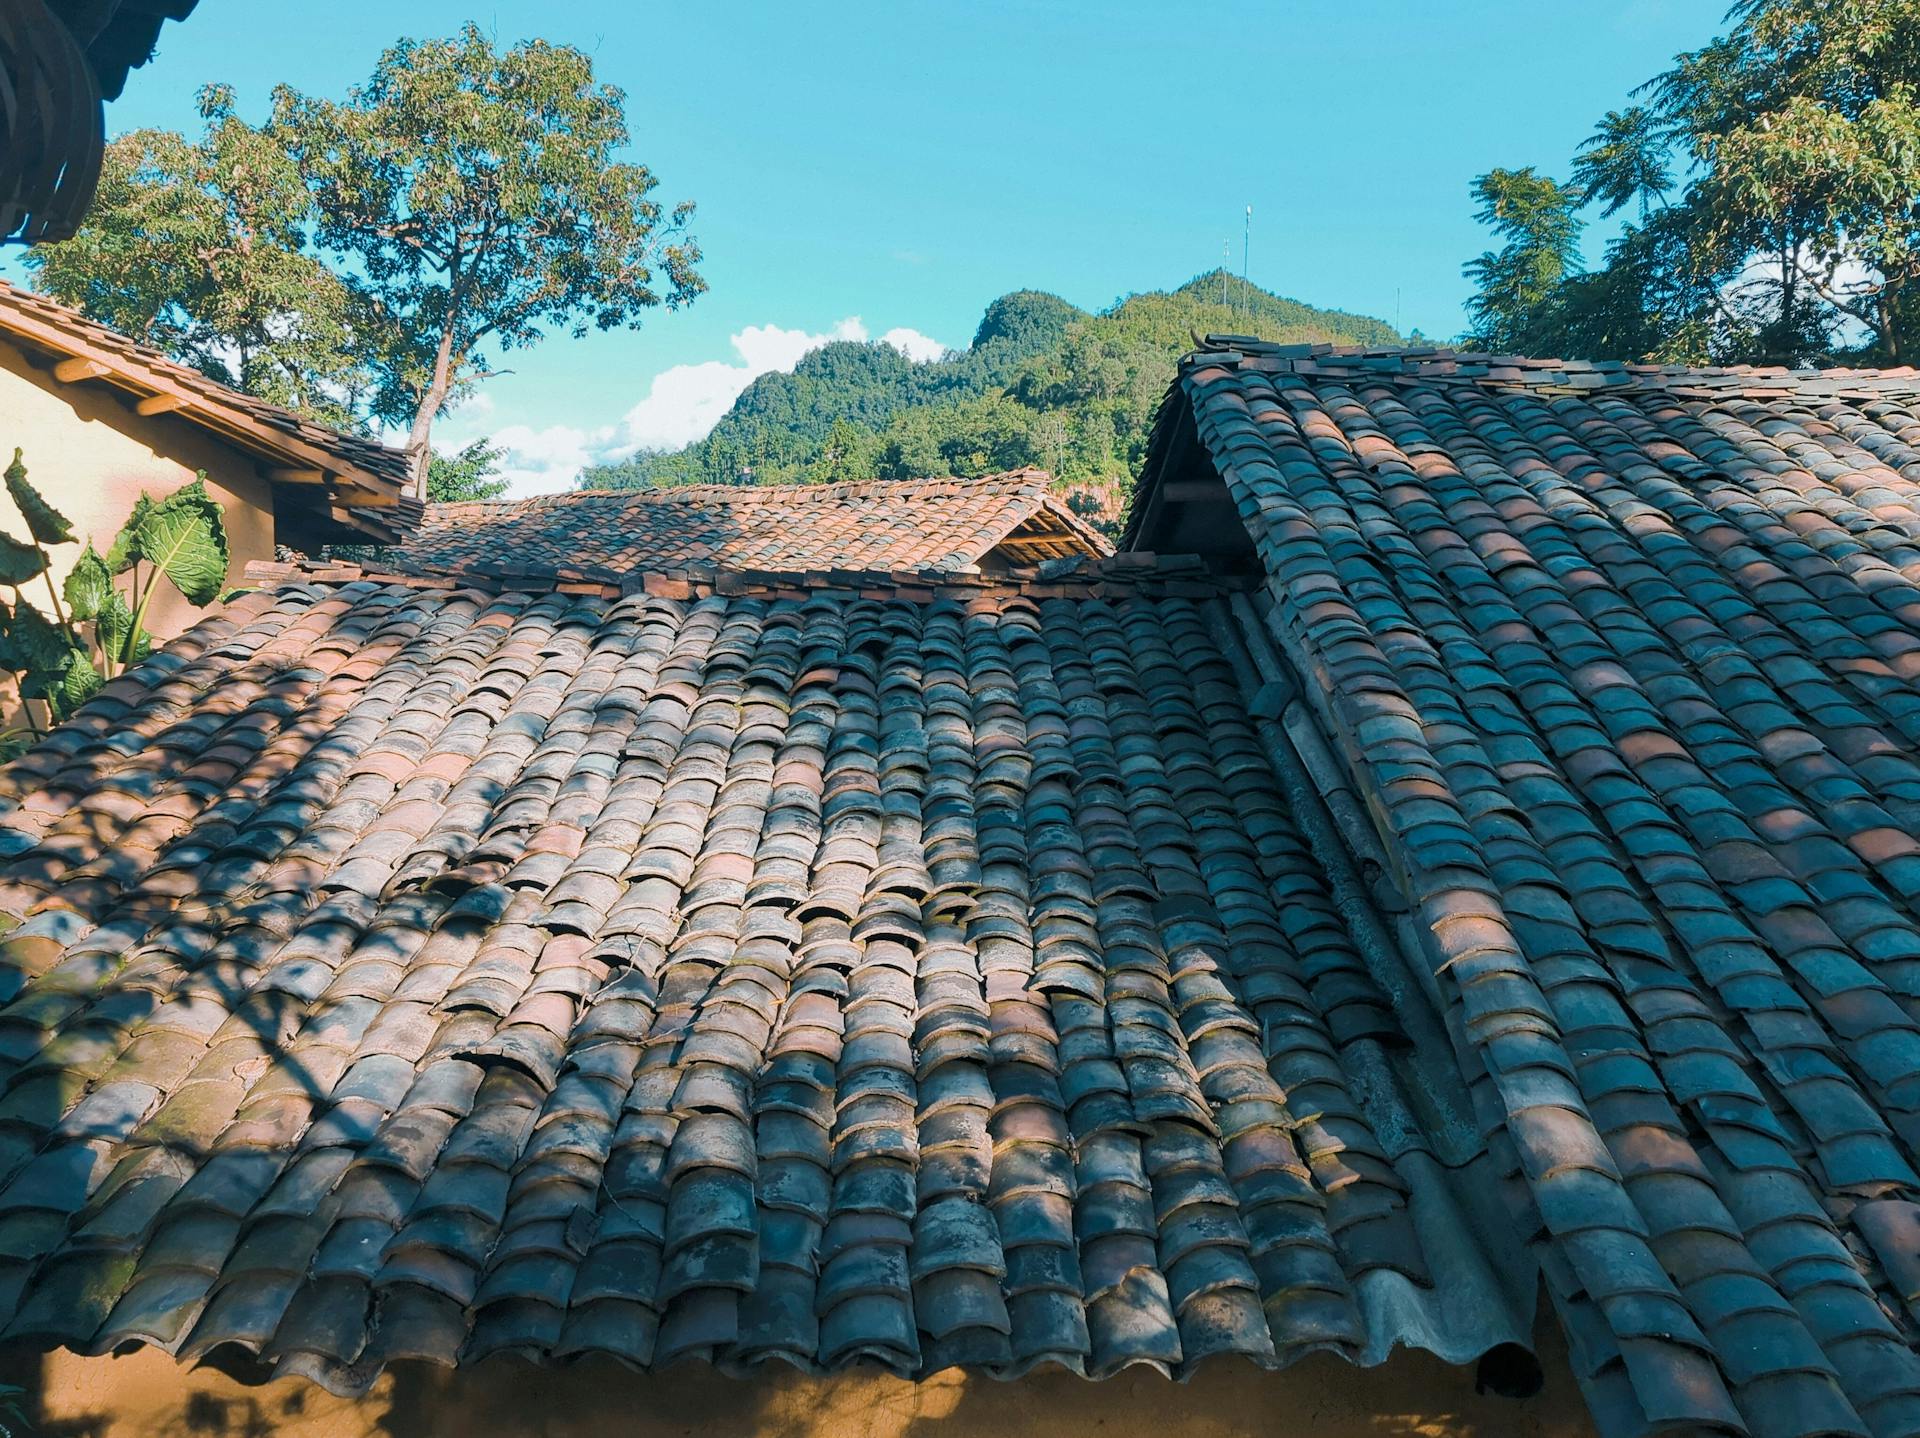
362, 259
475, 198
1044, 383
200, 249
1539, 221
95, 630
1774, 180
473, 473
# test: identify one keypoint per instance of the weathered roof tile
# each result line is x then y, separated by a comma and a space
852, 975
1616, 657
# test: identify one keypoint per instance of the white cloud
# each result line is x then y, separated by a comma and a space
682, 404
546, 461
914, 345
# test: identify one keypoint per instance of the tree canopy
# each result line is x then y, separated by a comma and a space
472, 473
477, 198
1771, 183
366, 259
200, 249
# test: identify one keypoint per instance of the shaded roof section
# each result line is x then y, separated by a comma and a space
420, 972
1624, 665
874, 527
59, 59
118, 35
327, 484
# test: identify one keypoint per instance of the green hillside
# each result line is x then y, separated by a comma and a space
1043, 383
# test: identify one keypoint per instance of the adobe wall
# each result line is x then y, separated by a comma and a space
90, 455
1412, 1396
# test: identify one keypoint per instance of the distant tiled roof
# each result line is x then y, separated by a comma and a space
418, 972
880, 526
343, 482
1625, 664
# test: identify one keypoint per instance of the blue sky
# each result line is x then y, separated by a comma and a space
876, 167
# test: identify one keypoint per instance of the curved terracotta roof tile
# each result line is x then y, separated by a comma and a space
396, 973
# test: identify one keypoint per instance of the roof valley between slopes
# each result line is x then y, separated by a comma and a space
1627, 667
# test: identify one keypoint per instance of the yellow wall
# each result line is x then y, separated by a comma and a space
90, 455
1413, 1395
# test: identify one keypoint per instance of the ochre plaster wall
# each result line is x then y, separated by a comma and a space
91, 456
1412, 1396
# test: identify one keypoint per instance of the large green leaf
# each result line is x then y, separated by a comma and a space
79, 684
19, 562
88, 586
44, 522
123, 551
184, 538
38, 643
112, 625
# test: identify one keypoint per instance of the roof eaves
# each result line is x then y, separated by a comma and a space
357, 496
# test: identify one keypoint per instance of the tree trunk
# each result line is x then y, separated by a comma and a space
420, 439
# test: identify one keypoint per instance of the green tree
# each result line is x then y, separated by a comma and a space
473, 473
1539, 220
476, 198
1775, 178
850, 452
199, 248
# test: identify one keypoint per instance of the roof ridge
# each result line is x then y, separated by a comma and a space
930, 525
1015, 481
1443, 363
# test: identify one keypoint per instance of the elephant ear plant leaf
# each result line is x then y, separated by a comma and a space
92, 629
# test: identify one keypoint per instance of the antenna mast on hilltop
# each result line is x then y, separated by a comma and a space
1226, 253
1246, 248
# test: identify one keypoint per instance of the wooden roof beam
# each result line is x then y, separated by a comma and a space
79, 367
163, 403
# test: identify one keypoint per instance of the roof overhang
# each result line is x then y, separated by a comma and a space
320, 491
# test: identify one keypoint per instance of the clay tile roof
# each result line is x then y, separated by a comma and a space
409, 972
879, 526
1617, 669
345, 485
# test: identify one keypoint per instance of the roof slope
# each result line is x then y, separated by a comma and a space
343, 485
1626, 664
878, 526
421, 972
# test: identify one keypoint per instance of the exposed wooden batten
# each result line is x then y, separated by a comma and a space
77, 368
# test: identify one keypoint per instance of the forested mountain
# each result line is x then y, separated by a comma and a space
1043, 383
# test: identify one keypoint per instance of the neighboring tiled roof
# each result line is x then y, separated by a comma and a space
878, 526
344, 483
414, 971
1626, 666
